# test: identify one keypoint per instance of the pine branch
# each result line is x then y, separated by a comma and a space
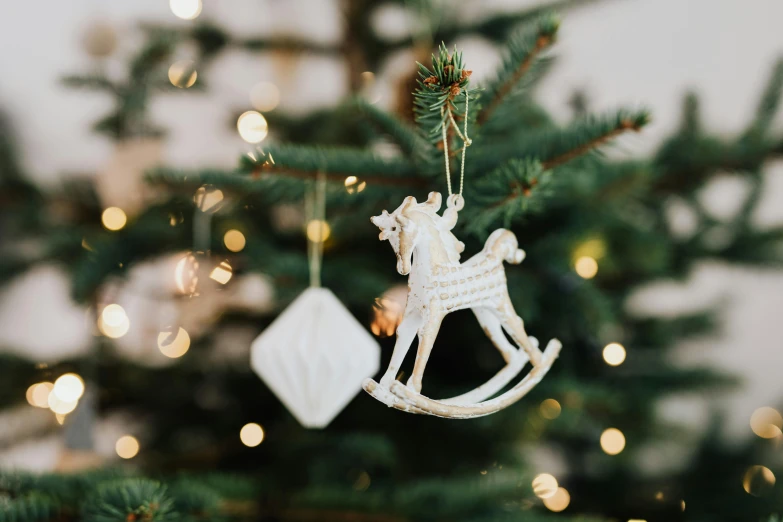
623, 125
768, 104
408, 138
524, 50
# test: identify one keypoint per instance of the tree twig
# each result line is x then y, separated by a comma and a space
541, 43
588, 146
335, 177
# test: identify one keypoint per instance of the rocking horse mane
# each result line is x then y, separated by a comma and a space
449, 240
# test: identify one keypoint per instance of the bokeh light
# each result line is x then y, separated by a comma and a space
586, 267
766, 422
68, 387
612, 441
388, 310
353, 185
208, 199
183, 74
251, 435
265, 96
318, 230
252, 127
60, 406
221, 273
38, 394
174, 343
758, 480
127, 447
113, 321
550, 409
186, 274
559, 501
185, 9
234, 240
114, 218
545, 485
614, 354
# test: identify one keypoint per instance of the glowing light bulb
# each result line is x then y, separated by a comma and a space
559, 501
127, 447
234, 240
612, 441
183, 74
766, 422
173, 344
68, 387
265, 96
614, 354
545, 485
38, 394
114, 218
208, 199
586, 267
550, 409
60, 406
252, 127
185, 9
251, 435
221, 273
352, 185
318, 230
186, 274
113, 322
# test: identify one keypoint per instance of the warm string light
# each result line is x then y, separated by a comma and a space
186, 274
183, 74
127, 447
208, 199
612, 441
318, 230
114, 218
388, 310
234, 240
113, 321
252, 127
758, 480
545, 485
559, 501
614, 354
766, 422
221, 273
353, 185
68, 387
251, 435
185, 9
550, 409
174, 344
586, 267
38, 394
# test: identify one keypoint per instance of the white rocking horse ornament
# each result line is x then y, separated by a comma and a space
439, 284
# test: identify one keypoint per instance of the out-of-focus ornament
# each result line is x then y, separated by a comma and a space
388, 311
439, 284
121, 182
315, 355
169, 302
100, 39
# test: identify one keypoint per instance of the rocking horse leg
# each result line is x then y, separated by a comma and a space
406, 331
515, 327
427, 335
494, 330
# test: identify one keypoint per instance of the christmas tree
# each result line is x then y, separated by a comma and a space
178, 268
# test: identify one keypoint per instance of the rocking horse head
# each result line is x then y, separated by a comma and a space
403, 227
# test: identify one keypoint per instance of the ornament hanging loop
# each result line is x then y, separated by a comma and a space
315, 213
447, 120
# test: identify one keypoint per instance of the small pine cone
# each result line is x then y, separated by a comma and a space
431, 81
454, 90
465, 74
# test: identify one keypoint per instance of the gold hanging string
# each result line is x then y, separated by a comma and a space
447, 119
315, 212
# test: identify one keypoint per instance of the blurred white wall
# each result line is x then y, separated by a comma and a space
624, 52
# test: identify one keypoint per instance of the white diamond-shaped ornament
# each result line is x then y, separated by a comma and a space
314, 357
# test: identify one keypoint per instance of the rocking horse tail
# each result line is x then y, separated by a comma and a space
503, 243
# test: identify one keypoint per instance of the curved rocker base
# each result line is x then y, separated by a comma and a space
401, 397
